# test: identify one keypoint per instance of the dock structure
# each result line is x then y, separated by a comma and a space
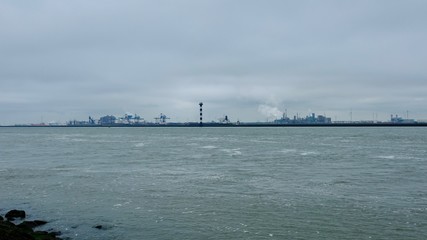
201, 114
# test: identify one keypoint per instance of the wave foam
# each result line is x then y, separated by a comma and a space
387, 157
209, 147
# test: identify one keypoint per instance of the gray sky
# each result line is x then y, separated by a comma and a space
68, 59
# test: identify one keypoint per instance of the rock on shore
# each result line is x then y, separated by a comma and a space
24, 230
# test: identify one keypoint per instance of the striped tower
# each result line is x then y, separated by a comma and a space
201, 114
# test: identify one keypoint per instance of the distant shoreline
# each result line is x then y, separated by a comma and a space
232, 125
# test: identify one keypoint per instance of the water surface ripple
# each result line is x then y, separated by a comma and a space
219, 183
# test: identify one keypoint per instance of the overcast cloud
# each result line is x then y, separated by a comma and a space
68, 59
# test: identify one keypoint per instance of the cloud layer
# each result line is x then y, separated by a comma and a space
63, 60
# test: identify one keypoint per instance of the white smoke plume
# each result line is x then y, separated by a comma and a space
270, 112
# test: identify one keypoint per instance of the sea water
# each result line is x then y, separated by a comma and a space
218, 183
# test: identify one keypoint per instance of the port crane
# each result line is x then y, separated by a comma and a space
161, 119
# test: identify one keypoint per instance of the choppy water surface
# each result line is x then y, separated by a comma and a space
219, 183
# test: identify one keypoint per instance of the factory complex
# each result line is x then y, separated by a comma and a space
134, 120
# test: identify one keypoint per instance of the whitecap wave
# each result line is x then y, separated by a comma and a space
288, 151
232, 152
209, 147
308, 153
386, 156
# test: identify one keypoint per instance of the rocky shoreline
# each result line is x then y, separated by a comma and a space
24, 230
